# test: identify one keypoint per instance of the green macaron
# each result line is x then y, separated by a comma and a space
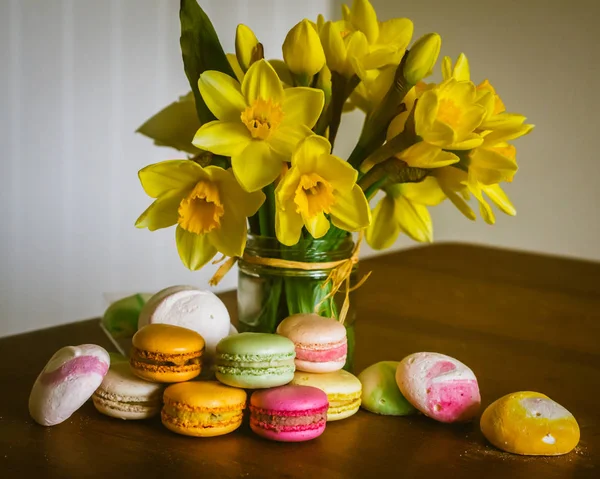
255, 360
380, 392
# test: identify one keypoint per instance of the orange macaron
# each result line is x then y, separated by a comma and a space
166, 354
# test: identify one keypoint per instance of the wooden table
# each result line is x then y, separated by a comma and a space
520, 321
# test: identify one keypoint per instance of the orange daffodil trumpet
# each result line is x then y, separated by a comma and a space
261, 158
258, 122
207, 204
318, 185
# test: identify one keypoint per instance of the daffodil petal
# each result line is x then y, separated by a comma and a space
257, 166
384, 229
381, 56
222, 95
337, 172
334, 47
414, 220
364, 18
484, 208
288, 223
351, 211
235, 200
491, 166
426, 192
286, 188
307, 152
461, 71
468, 143
503, 121
425, 113
396, 31
226, 138
500, 199
286, 138
261, 81
194, 250
317, 226
235, 66
446, 68
357, 47
230, 238
162, 213
425, 155
505, 134
159, 178
302, 106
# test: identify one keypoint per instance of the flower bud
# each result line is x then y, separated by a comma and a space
422, 57
247, 47
302, 50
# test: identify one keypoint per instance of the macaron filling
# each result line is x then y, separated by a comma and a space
314, 355
183, 415
285, 421
155, 361
254, 364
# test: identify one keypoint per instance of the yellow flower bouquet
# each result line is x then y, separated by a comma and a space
260, 183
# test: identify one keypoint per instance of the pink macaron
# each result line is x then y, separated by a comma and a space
289, 413
321, 344
67, 382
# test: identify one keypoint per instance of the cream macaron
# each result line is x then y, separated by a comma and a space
125, 396
321, 344
342, 388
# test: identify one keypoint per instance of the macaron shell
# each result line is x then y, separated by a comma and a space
124, 395
258, 344
191, 308
530, 423
440, 386
169, 339
256, 379
202, 431
380, 392
165, 375
312, 329
67, 381
288, 436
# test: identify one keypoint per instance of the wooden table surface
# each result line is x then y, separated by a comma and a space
520, 321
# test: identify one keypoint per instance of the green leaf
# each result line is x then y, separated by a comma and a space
175, 125
201, 51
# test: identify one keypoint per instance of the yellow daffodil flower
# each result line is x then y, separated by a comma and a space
421, 154
495, 116
258, 123
404, 209
207, 204
247, 49
318, 184
387, 41
302, 50
422, 57
448, 114
343, 48
457, 185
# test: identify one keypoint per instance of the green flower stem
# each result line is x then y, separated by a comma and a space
341, 88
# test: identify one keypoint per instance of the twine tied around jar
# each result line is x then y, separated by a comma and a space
340, 272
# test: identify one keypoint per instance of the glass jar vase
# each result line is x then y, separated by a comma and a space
267, 294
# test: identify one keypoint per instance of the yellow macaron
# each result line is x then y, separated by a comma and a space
167, 354
203, 408
342, 388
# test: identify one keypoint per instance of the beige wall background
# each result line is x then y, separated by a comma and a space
77, 77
